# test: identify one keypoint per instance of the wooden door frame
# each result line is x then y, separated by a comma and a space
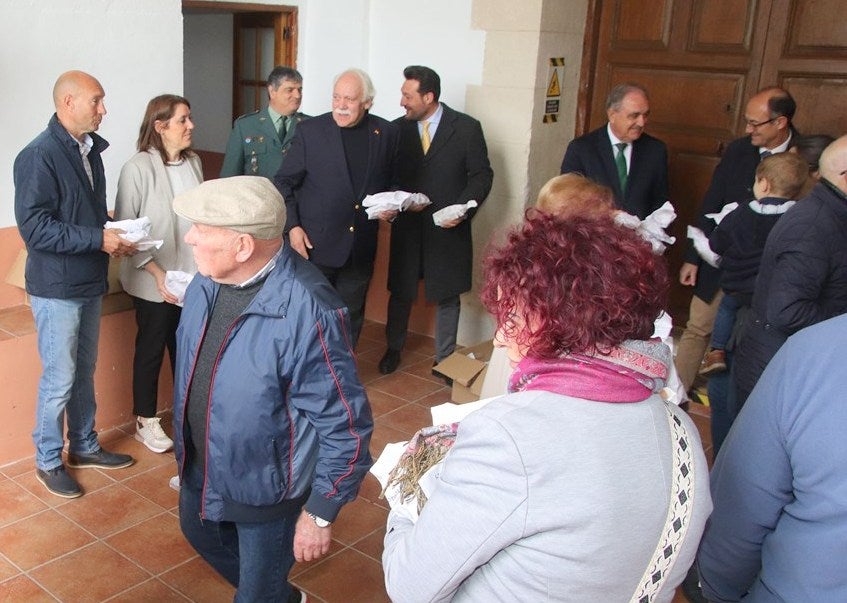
286, 27
587, 68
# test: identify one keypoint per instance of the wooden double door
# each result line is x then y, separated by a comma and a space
701, 60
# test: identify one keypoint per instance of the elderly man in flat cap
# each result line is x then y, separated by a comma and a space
271, 423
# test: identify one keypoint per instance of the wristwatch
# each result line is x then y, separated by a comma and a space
319, 521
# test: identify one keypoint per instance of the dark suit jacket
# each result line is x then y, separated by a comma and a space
732, 182
455, 170
647, 185
319, 195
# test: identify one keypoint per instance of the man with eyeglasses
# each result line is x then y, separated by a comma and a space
768, 117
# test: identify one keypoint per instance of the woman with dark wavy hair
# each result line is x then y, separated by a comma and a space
582, 484
163, 167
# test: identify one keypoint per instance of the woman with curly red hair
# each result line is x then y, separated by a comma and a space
582, 484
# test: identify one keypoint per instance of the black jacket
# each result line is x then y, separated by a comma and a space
455, 170
647, 184
740, 239
318, 191
802, 280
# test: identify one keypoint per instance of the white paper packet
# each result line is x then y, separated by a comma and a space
137, 231
451, 212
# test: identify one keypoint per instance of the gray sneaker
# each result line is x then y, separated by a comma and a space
59, 482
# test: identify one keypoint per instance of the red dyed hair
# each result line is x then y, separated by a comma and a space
576, 286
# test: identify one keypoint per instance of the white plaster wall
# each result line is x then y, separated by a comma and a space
406, 33
333, 36
133, 48
524, 152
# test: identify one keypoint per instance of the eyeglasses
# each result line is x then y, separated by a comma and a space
758, 124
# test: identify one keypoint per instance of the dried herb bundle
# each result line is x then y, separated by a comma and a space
427, 448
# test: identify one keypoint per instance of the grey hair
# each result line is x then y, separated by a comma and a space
368, 90
281, 72
617, 94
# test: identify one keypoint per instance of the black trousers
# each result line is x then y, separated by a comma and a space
446, 325
351, 282
157, 324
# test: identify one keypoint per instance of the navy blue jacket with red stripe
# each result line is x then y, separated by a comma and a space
287, 412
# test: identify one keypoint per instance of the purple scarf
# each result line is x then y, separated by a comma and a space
631, 372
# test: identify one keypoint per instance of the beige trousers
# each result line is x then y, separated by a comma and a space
695, 338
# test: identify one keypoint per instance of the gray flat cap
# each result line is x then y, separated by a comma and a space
248, 204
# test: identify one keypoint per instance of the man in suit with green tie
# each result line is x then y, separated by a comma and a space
259, 140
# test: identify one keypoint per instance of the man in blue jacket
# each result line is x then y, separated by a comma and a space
271, 423
779, 487
60, 209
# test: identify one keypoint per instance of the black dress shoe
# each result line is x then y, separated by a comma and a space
390, 361
297, 596
59, 482
447, 380
101, 459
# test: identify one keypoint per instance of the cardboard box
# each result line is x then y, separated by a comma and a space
466, 367
111, 303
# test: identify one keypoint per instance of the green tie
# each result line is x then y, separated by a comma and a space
282, 129
620, 161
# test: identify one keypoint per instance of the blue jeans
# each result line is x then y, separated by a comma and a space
254, 557
722, 399
68, 331
724, 321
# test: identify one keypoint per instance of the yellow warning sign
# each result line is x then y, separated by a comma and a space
554, 89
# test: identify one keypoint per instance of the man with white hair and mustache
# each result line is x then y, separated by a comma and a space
335, 160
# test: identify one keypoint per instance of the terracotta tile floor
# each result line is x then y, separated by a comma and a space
100, 547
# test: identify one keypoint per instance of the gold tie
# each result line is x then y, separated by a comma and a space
425, 137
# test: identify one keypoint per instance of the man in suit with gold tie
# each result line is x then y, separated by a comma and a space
443, 155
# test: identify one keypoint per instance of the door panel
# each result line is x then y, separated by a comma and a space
722, 26
807, 55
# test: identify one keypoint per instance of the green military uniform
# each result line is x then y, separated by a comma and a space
254, 148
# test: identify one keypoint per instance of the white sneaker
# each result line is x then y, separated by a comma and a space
174, 483
150, 433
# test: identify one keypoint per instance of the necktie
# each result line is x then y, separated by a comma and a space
282, 129
620, 161
425, 141
764, 154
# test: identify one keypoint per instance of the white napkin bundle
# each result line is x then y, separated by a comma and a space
392, 201
177, 281
701, 241
652, 228
451, 212
137, 231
